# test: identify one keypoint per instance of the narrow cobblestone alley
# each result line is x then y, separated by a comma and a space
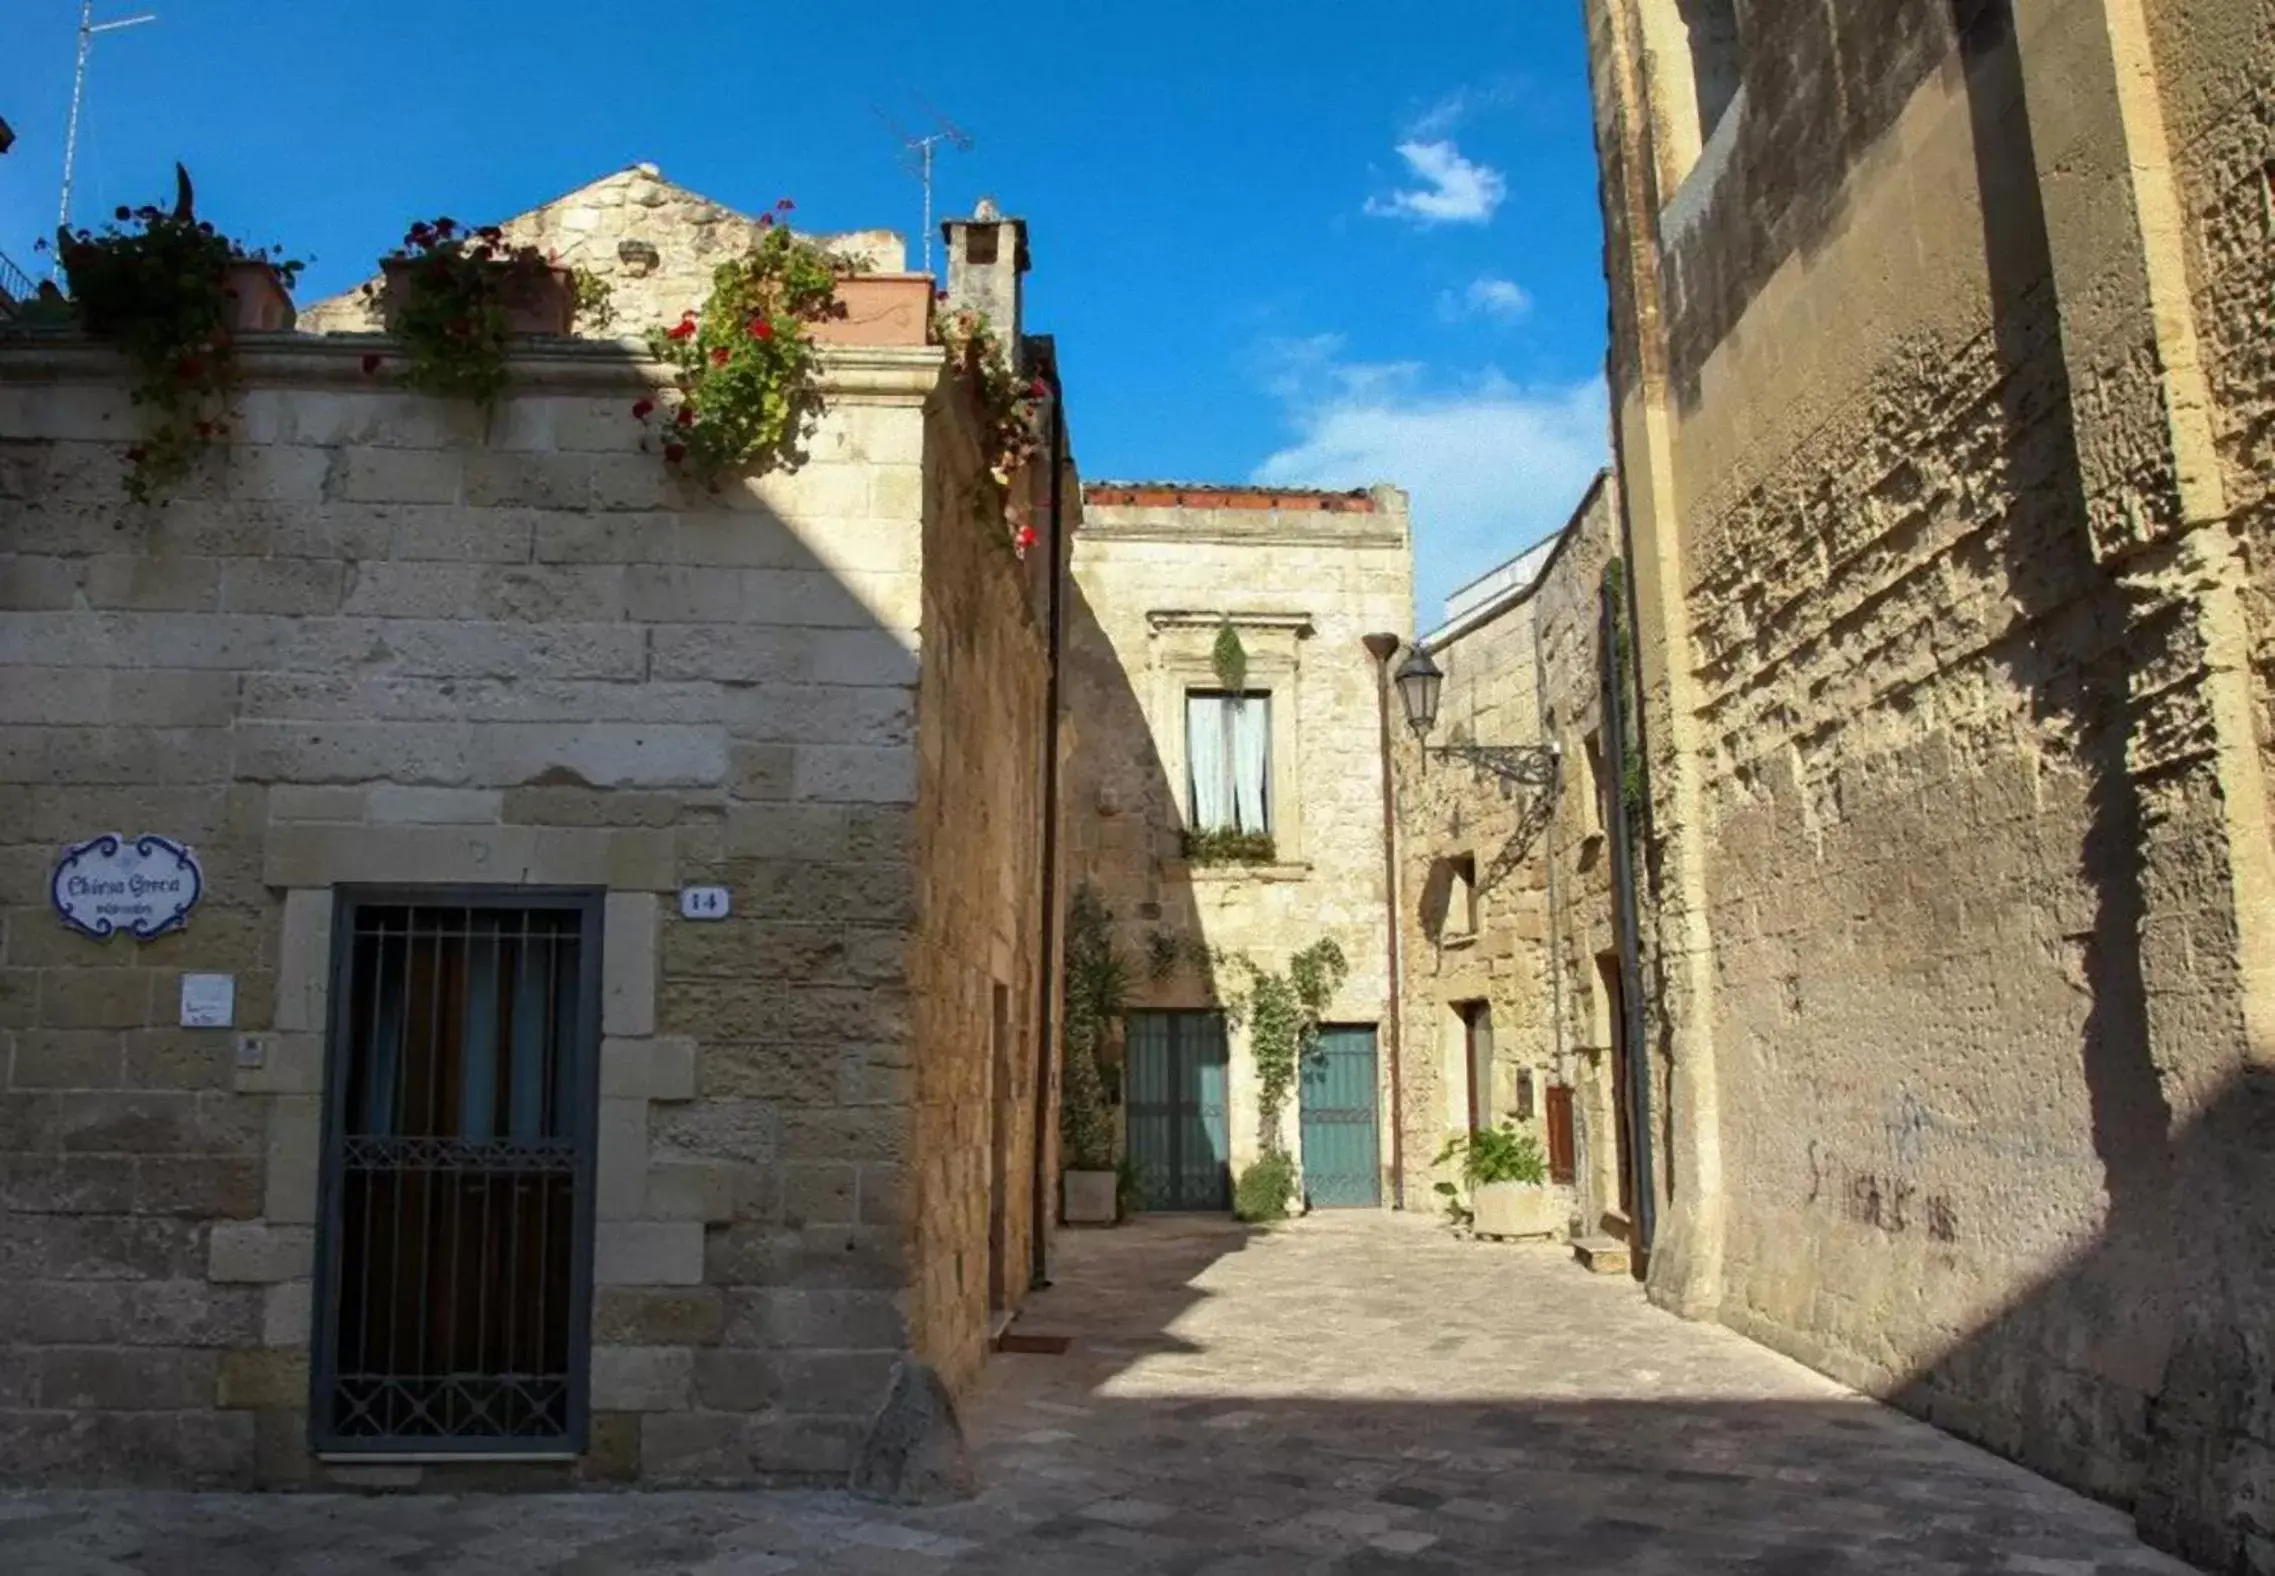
1351, 1393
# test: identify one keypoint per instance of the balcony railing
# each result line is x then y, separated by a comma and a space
15, 285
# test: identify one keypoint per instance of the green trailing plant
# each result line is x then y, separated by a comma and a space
1097, 993
1282, 1012
1167, 951
1129, 1188
1623, 657
1265, 1189
445, 293
1009, 407
596, 303
1221, 845
1494, 1154
746, 373
156, 285
1230, 659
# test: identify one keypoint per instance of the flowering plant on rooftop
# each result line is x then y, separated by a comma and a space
746, 384
451, 314
156, 285
1009, 405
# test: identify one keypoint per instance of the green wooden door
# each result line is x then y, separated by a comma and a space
1341, 1165
1179, 1132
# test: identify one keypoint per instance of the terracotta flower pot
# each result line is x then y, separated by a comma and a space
258, 301
880, 309
536, 300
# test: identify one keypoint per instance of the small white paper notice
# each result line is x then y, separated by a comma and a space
704, 902
209, 1001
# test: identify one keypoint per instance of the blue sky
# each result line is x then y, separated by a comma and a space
1298, 242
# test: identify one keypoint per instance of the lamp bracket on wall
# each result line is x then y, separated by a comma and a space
1517, 765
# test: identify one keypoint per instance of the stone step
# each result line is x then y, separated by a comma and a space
1602, 1255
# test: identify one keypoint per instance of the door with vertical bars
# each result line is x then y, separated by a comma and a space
1342, 1167
455, 1237
1179, 1127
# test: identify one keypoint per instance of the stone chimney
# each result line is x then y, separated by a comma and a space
987, 254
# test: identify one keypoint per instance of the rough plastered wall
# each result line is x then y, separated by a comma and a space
654, 245
368, 645
1475, 890
1959, 833
1575, 849
1303, 584
981, 708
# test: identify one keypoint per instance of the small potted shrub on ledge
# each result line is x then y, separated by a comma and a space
455, 297
1505, 1174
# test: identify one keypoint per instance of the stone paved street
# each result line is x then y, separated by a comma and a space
1349, 1394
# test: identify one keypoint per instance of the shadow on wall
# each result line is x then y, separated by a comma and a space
2146, 1371
1123, 812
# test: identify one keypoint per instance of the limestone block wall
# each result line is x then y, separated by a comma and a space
371, 644
652, 242
1303, 578
968, 1182
1958, 827
1522, 671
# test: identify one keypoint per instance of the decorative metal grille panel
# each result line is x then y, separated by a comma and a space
457, 1221
1179, 1129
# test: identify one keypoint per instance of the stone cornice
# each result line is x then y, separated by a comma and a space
868, 374
1296, 624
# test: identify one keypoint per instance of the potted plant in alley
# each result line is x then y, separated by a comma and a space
1505, 1174
1097, 988
172, 293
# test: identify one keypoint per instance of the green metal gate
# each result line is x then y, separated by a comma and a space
1341, 1164
1179, 1133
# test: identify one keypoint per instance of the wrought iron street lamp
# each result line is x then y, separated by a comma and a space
1419, 683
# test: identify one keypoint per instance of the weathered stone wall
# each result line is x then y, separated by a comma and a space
1480, 939
368, 645
1303, 583
1524, 669
1959, 837
981, 708
652, 243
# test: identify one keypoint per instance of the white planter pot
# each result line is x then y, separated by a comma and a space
1513, 1209
1092, 1198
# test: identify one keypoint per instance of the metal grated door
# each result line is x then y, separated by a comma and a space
1179, 1125
456, 1234
1337, 1104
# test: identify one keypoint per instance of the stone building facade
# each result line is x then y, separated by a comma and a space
1941, 386
599, 931
1301, 578
1512, 997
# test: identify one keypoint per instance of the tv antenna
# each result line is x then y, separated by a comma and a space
88, 28
916, 158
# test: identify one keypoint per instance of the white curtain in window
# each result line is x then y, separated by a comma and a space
1205, 747
1252, 762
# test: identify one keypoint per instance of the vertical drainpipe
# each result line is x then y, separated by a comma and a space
1623, 904
1039, 1228
1555, 910
1382, 648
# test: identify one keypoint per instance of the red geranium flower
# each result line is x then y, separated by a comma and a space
718, 355
766, 221
135, 454
1039, 389
683, 329
417, 234
785, 205
1025, 538
445, 226
491, 233
675, 452
686, 416
370, 363
760, 328
189, 367
641, 408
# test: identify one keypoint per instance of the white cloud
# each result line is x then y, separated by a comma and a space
1459, 191
1503, 299
1492, 466
1458, 106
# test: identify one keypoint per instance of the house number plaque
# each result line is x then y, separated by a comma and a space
143, 885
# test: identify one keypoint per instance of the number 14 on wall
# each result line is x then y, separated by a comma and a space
703, 902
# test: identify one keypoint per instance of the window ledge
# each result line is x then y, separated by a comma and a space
1457, 943
1199, 874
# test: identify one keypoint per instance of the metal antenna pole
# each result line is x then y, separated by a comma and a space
88, 28
918, 161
